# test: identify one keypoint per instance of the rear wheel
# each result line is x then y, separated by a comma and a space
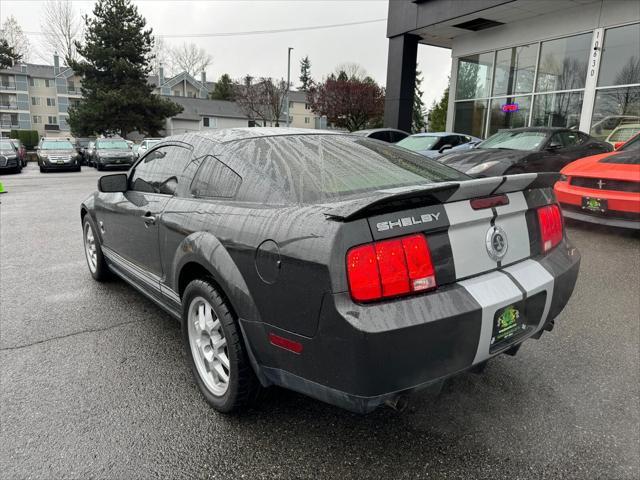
93, 252
42, 169
215, 349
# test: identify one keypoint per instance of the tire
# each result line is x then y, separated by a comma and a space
220, 331
78, 168
95, 260
99, 167
42, 170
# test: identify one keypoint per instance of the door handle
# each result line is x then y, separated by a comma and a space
148, 219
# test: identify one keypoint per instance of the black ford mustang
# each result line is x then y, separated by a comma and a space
520, 150
335, 265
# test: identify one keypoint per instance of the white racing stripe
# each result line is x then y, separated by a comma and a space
496, 290
467, 233
512, 219
534, 278
492, 291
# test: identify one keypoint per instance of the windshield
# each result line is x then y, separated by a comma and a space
622, 134
317, 168
515, 140
632, 145
6, 145
112, 145
417, 144
56, 145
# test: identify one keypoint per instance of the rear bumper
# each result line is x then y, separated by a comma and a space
363, 355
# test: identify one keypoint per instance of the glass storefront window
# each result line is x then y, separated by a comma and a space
474, 76
509, 113
470, 117
515, 68
620, 63
563, 63
557, 110
614, 107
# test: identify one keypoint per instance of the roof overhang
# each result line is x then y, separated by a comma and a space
439, 22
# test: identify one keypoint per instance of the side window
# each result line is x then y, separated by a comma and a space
566, 139
215, 179
380, 136
160, 170
452, 140
397, 136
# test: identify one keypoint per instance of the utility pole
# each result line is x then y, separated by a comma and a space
288, 82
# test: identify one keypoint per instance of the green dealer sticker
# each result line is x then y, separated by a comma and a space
508, 323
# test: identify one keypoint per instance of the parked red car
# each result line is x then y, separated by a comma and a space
604, 188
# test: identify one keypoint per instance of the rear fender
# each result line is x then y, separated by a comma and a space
206, 250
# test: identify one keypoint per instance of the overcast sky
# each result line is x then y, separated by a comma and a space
266, 55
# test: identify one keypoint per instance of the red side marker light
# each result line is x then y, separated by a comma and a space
285, 343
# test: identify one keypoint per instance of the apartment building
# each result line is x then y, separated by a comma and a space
300, 114
38, 97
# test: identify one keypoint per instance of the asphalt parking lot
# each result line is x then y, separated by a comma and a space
94, 383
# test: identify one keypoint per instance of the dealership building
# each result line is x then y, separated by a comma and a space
515, 63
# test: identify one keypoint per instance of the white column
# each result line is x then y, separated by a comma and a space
592, 80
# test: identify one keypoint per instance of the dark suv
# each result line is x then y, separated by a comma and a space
112, 152
57, 154
9, 156
335, 265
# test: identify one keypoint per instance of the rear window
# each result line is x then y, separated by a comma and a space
317, 168
632, 145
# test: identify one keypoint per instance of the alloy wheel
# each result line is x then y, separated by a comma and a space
90, 248
208, 346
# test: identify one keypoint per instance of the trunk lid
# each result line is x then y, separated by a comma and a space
464, 241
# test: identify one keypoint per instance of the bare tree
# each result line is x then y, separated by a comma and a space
160, 56
262, 100
249, 96
61, 28
190, 58
352, 70
275, 94
11, 31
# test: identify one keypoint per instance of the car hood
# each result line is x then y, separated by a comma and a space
612, 165
463, 161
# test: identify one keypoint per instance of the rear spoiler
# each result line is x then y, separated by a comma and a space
436, 193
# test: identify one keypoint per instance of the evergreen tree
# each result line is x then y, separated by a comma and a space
417, 121
438, 113
116, 96
305, 73
8, 56
223, 89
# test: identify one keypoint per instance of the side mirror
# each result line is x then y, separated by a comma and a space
554, 146
113, 183
445, 147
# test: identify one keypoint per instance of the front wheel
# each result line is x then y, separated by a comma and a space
93, 251
215, 349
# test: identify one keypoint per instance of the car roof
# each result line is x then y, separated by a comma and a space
437, 134
374, 130
244, 133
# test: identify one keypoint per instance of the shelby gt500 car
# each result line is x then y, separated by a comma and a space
338, 266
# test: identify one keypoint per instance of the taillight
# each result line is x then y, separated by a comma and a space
550, 220
390, 268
